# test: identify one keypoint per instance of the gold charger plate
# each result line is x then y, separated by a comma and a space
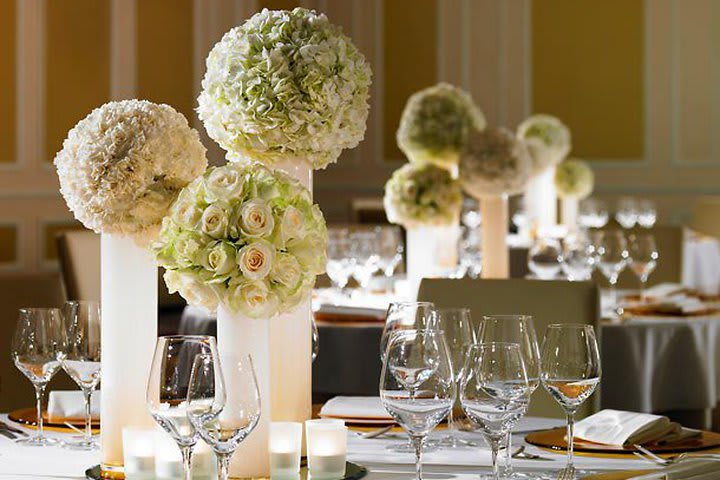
28, 416
624, 475
555, 440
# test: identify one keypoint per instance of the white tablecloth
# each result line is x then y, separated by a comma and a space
46, 463
701, 263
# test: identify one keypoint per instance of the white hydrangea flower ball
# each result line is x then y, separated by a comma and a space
123, 165
574, 179
286, 86
548, 140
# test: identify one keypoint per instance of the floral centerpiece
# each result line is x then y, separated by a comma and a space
285, 86
436, 124
120, 169
574, 180
244, 236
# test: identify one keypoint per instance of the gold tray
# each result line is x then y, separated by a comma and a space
28, 417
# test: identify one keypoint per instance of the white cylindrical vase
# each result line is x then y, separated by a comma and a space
493, 236
541, 201
569, 212
431, 251
129, 302
237, 337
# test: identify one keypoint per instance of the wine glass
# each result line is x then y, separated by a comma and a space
167, 388
518, 329
456, 325
545, 258
406, 316
470, 215
647, 214
612, 255
494, 392
223, 406
80, 358
578, 260
416, 385
390, 249
643, 258
339, 263
570, 371
36, 347
363, 251
593, 214
627, 212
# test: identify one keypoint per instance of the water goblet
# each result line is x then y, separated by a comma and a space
390, 249
592, 214
545, 258
570, 372
578, 260
363, 251
612, 257
643, 258
339, 262
406, 316
627, 212
36, 350
647, 214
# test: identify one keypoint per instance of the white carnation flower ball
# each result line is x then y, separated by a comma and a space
285, 86
574, 179
547, 138
123, 165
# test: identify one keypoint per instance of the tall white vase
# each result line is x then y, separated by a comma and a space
431, 252
129, 331
541, 200
569, 213
493, 235
237, 337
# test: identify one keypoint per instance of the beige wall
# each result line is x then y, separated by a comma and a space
639, 82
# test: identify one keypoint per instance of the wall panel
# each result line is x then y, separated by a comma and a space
8, 126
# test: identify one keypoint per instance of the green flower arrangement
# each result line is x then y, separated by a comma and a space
574, 179
548, 140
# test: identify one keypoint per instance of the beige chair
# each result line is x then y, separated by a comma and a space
547, 301
18, 291
706, 216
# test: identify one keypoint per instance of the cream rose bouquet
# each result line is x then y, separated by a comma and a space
547, 138
422, 194
285, 86
436, 123
574, 179
245, 236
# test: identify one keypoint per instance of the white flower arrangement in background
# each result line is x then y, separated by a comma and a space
494, 162
422, 195
547, 138
574, 179
285, 86
436, 123
122, 166
245, 236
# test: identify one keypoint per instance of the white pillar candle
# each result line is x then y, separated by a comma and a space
139, 453
569, 209
541, 200
285, 448
326, 448
431, 252
494, 232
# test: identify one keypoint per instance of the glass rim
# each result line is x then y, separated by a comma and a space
405, 302
81, 302
484, 345
507, 316
38, 309
578, 326
186, 337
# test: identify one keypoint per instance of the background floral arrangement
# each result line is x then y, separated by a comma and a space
547, 138
245, 236
422, 194
285, 86
494, 162
436, 123
122, 166
574, 179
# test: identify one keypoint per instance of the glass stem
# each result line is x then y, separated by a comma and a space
570, 437
417, 442
508, 455
451, 425
88, 415
39, 391
494, 448
223, 460
187, 461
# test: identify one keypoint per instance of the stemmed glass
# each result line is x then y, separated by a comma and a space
593, 214
363, 251
390, 249
406, 316
545, 258
456, 325
224, 407
36, 347
627, 212
416, 385
167, 388
520, 330
578, 259
80, 358
494, 392
647, 214
643, 258
612, 254
570, 371
339, 262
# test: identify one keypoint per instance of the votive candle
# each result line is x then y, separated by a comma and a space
138, 453
326, 448
285, 447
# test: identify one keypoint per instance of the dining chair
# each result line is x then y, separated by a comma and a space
548, 301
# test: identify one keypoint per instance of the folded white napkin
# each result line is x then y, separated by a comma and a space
694, 469
70, 405
355, 407
663, 290
616, 427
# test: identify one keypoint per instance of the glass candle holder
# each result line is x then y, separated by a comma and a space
139, 453
285, 447
326, 448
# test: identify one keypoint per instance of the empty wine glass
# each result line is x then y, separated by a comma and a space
593, 214
647, 214
224, 407
36, 347
390, 249
470, 215
643, 258
456, 325
627, 212
612, 256
545, 258
406, 316
570, 372
578, 260
80, 358
363, 251
167, 388
518, 329
416, 385
339, 262
494, 392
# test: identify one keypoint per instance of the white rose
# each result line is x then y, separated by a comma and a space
252, 298
185, 210
256, 260
286, 271
223, 183
219, 258
256, 219
196, 293
293, 224
215, 221
187, 246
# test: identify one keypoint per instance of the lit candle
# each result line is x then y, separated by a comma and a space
138, 453
285, 446
326, 448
